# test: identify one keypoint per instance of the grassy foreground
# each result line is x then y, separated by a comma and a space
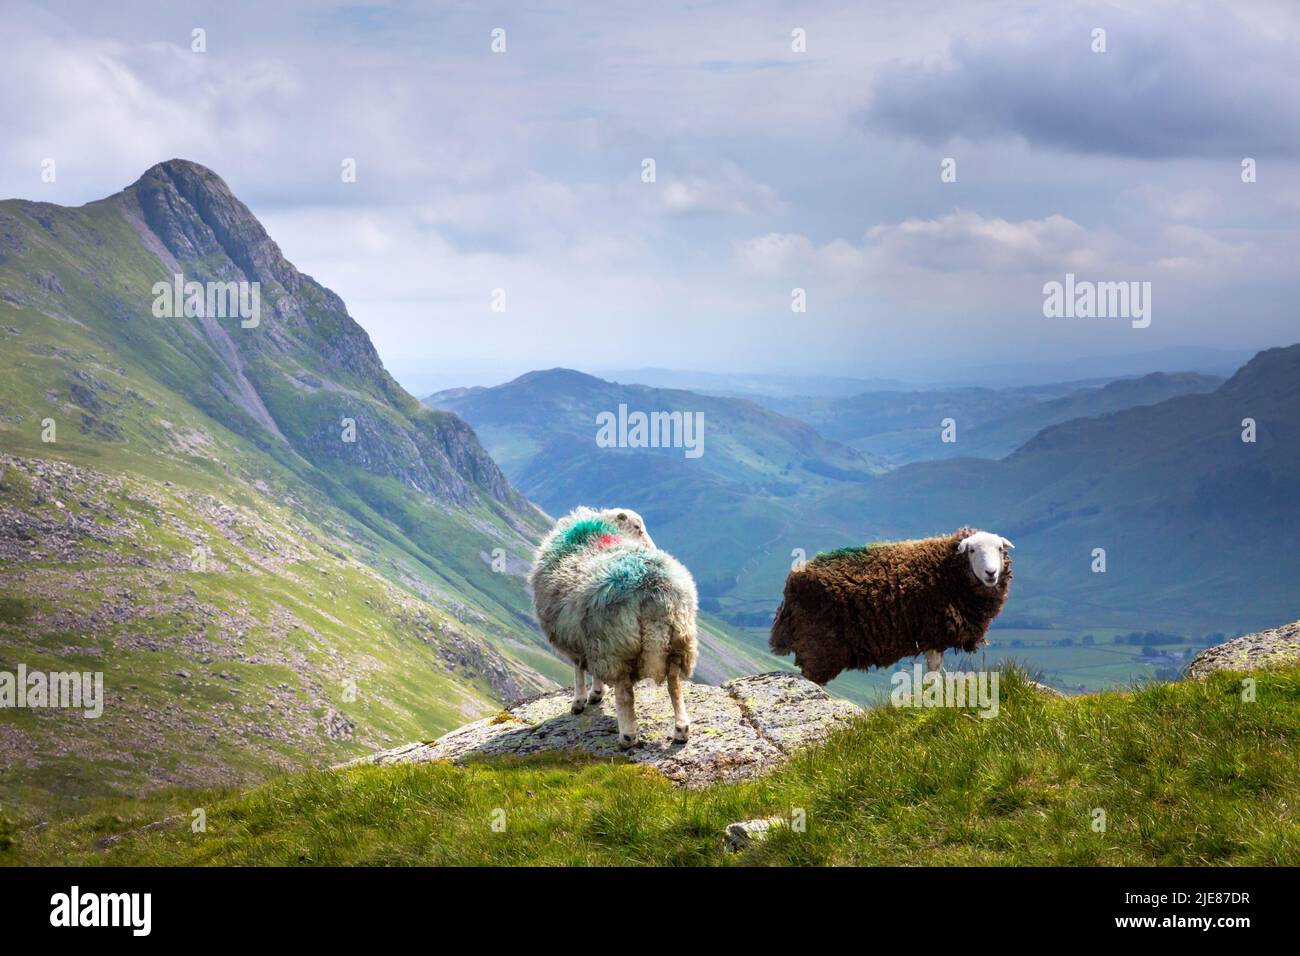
1186, 773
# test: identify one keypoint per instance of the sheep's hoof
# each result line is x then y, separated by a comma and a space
578, 706
681, 732
595, 697
626, 741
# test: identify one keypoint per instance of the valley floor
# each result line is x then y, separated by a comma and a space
1187, 773
1072, 660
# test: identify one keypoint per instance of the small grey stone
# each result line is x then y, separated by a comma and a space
741, 835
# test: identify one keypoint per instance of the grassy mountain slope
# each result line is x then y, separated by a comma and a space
196, 526
282, 646
1187, 774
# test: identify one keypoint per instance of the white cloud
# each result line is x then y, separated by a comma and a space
729, 192
1175, 204
965, 241
958, 244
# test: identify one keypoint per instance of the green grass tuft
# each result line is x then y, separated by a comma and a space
15, 610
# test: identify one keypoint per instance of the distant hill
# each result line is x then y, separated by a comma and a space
1220, 362
1038, 373
901, 427
753, 384
542, 428
1003, 435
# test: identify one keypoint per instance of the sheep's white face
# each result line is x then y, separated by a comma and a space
629, 523
985, 551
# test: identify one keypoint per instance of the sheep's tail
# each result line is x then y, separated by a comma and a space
676, 589
682, 643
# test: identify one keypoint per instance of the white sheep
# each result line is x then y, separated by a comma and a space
618, 608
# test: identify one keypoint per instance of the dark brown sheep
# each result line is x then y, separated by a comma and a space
870, 607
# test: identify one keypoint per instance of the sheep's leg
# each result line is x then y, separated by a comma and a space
933, 660
597, 690
681, 722
625, 704
579, 689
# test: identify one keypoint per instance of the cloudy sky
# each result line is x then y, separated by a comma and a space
775, 169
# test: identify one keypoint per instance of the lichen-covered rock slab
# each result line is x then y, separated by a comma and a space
738, 730
790, 712
1281, 645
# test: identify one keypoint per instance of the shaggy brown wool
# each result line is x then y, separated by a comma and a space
870, 607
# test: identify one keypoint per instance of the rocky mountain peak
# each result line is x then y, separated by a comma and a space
306, 366
195, 214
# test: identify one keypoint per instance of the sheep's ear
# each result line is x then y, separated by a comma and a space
1008, 545
622, 516
963, 545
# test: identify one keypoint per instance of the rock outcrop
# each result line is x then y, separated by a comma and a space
738, 730
1281, 645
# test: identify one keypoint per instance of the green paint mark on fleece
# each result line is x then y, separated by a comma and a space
839, 554
579, 535
623, 575
848, 554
